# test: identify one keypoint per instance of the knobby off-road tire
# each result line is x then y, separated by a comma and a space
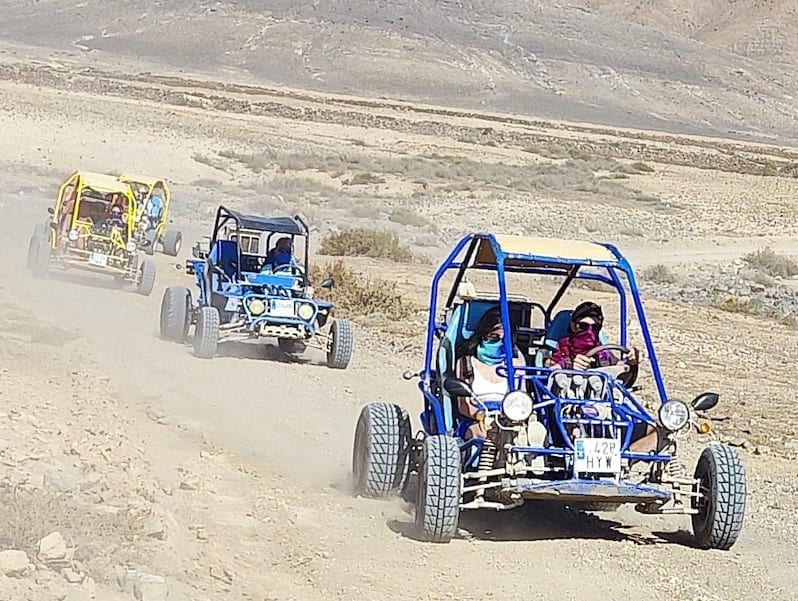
172, 241
439, 489
38, 260
206, 333
147, 272
381, 453
722, 509
175, 313
342, 341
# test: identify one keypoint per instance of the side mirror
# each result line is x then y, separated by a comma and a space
328, 283
146, 243
705, 401
51, 210
53, 226
457, 387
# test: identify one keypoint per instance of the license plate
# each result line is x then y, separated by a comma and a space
597, 456
98, 259
282, 308
232, 304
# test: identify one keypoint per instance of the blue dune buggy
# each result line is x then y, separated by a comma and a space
557, 434
242, 295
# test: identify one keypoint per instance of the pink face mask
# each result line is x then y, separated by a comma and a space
581, 342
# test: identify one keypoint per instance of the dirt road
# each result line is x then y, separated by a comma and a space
290, 426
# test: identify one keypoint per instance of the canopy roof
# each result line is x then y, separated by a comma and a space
534, 250
282, 225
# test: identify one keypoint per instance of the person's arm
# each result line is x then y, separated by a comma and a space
464, 405
561, 356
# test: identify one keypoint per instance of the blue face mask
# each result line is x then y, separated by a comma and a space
491, 353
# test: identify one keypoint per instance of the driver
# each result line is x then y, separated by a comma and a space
281, 254
587, 320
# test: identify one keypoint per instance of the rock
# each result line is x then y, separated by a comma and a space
61, 480
14, 563
52, 547
71, 576
89, 481
154, 528
762, 450
150, 587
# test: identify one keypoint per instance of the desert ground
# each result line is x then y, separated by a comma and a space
129, 468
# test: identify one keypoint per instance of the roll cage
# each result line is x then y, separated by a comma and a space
242, 223
81, 188
567, 259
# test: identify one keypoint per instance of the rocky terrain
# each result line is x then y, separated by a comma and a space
131, 470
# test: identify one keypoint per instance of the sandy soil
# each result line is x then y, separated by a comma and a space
230, 478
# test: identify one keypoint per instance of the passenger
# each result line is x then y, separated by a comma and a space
478, 358
155, 209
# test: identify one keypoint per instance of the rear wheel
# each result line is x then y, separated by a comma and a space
206, 333
146, 278
439, 489
172, 241
342, 339
175, 313
721, 508
380, 457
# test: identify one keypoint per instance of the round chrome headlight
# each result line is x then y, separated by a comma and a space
517, 406
73, 235
257, 306
305, 311
131, 247
674, 415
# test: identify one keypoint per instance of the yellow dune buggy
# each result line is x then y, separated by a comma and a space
153, 198
92, 227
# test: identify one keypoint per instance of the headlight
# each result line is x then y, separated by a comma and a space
674, 415
73, 235
305, 311
256, 306
131, 247
517, 406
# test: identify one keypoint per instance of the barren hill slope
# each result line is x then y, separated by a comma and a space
561, 60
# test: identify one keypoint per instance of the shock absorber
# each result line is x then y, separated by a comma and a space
487, 456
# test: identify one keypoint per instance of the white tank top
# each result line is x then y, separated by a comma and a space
487, 390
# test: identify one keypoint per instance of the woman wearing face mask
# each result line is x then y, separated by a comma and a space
479, 357
587, 320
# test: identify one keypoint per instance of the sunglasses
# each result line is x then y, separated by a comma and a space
582, 326
492, 337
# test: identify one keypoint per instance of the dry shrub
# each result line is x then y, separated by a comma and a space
101, 540
363, 179
365, 242
405, 216
358, 295
659, 274
754, 307
772, 263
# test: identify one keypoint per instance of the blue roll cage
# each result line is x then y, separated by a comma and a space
537, 265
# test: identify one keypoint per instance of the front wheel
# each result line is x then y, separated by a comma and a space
439, 489
206, 332
38, 260
721, 507
146, 278
342, 340
381, 453
175, 313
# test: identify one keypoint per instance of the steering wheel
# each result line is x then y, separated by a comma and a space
623, 350
291, 269
629, 376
